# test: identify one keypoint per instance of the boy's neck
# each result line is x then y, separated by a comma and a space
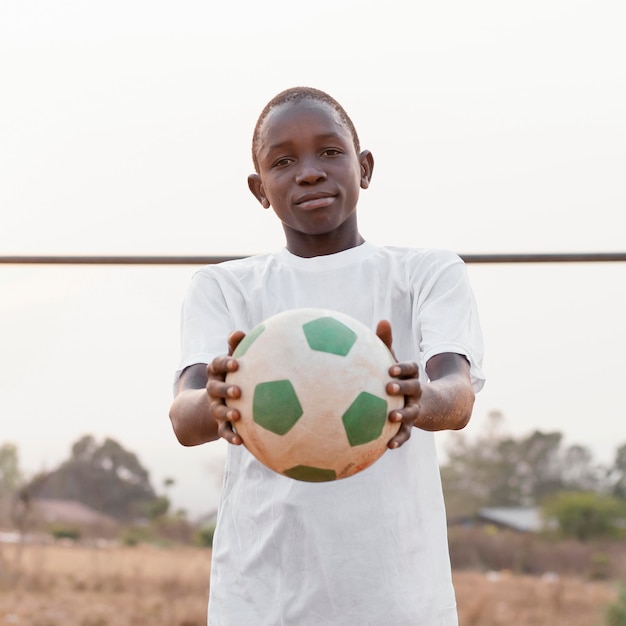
321, 245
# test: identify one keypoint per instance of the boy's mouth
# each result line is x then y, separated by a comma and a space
315, 200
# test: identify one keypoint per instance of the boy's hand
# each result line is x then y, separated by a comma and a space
410, 387
219, 390
443, 403
407, 385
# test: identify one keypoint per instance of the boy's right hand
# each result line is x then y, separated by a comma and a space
219, 391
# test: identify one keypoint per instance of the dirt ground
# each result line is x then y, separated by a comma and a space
494, 599
67, 585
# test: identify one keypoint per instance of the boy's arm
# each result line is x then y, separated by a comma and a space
191, 415
199, 413
443, 403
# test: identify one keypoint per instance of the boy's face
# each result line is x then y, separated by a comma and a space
311, 175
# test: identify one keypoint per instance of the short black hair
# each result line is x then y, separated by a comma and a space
298, 94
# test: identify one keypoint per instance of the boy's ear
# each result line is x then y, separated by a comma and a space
256, 187
366, 159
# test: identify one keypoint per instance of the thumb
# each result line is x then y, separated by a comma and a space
383, 330
234, 340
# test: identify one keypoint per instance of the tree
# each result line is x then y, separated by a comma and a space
580, 473
532, 469
160, 507
497, 469
585, 515
10, 474
105, 476
617, 473
474, 469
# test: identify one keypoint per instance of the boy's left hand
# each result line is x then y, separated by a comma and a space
444, 402
407, 385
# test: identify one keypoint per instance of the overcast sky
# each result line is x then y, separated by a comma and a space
125, 129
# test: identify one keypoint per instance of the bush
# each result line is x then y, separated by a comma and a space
204, 536
134, 535
600, 566
65, 532
616, 613
486, 548
586, 515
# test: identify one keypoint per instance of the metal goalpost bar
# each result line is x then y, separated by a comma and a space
532, 257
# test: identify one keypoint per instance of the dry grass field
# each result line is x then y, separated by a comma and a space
66, 585
494, 600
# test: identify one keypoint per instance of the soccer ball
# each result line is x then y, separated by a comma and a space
313, 401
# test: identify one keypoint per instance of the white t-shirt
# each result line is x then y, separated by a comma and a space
369, 550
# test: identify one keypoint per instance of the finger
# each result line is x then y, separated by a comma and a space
408, 415
222, 412
226, 431
402, 436
411, 388
220, 366
383, 330
225, 417
217, 388
406, 369
234, 340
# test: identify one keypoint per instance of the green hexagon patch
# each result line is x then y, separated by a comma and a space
275, 406
326, 334
365, 418
310, 474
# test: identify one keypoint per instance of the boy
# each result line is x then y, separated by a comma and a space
370, 549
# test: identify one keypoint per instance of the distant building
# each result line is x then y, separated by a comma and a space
49, 512
521, 519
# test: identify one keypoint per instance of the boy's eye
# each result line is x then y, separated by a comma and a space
332, 151
281, 162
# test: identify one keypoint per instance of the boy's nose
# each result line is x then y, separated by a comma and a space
309, 173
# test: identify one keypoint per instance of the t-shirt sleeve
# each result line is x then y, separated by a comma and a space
448, 316
205, 321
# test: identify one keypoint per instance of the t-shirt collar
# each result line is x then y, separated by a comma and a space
328, 261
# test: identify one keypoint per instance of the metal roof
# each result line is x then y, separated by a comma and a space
523, 519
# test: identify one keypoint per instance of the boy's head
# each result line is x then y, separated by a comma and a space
298, 94
310, 170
